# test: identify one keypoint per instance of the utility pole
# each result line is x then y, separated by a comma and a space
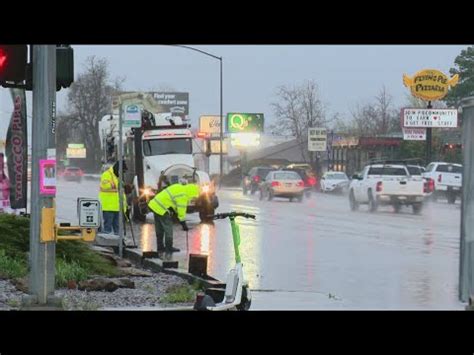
428, 139
221, 163
466, 254
120, 183
42, 254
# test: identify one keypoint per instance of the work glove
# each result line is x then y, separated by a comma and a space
184, 225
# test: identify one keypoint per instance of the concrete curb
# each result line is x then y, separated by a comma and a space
156, 265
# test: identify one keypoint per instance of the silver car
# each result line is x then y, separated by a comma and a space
280, 183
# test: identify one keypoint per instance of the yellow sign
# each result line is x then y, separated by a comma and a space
429, 84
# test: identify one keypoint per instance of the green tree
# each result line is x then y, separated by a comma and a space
464, 67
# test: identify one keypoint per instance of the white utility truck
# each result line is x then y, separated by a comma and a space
157, 154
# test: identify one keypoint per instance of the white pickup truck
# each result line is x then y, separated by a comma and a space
383, 184
447, 179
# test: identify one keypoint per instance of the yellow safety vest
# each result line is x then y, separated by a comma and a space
108, 195
176, 197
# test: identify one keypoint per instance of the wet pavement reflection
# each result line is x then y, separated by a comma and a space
318, 254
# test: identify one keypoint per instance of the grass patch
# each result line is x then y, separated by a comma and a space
179, 294
74, 259
10, 267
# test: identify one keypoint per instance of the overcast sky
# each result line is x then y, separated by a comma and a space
347, 75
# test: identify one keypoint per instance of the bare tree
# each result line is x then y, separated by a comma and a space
375, 118
297, 109
89, 100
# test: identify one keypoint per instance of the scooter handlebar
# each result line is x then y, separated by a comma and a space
232, 215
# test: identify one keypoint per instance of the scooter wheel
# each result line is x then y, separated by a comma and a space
245, 303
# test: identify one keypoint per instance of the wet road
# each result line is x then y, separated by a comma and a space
318, 254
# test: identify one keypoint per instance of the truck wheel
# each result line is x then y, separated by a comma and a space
245, 303
417, 208
352, 202
451, 198
372, 203
137, 215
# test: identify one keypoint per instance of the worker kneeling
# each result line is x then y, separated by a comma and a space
171, 201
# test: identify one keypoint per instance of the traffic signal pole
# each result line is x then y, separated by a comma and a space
42, 254
466, 254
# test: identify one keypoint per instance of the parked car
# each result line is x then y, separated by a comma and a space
73, 174
334, 181
308, 178
447, 179
384, 184
282, 183
252, 180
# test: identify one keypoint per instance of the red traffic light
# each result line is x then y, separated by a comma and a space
13, 60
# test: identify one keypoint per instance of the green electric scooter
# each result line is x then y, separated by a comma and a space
237, 292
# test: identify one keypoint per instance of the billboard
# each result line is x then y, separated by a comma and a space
210, 124
245, 122
426, 118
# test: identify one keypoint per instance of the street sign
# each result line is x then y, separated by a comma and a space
75, 153
211, 125
429, 84
245, 122
426, 118
88, 211
414, 134
317, 139
133, 116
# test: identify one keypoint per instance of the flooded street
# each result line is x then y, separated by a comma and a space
318, 254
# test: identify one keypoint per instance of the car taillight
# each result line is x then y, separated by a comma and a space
378, 187
312, 181
431, 185
439, 178
275, 183
300, 184
256, 178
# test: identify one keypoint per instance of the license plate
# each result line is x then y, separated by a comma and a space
456, 188
402, 197
288, 184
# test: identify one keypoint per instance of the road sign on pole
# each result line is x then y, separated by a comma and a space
414, 134
133, 116
428, 118
317, 139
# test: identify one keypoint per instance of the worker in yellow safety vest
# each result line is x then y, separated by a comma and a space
171, 201
109, 198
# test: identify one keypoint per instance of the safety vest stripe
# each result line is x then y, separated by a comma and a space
181, 206
155, 200
108, 190
171, 197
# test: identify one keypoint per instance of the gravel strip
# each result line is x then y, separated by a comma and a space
10, 297
147, 293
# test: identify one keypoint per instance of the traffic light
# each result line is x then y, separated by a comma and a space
13, 60
64, 67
